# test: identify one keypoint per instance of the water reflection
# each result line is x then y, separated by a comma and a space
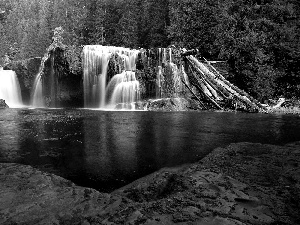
51, 141
110, 146
9, 135
106, 150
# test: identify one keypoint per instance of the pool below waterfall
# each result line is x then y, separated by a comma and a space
109, 149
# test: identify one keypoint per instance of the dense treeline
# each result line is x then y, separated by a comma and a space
259, 39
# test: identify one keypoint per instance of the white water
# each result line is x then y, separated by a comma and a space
123, 89
37, 98
10, 88
96, 91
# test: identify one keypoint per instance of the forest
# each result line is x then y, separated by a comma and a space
258, 39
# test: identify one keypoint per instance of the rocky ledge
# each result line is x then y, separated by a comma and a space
3, 104
244, 183
163, 104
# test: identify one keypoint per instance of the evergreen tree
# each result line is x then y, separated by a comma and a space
260, 39
257, 37
192, 23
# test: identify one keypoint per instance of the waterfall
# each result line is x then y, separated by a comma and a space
99, 91
10, 88
158, 82
159, 74
37, 96
170, 55
46, 87
123, 90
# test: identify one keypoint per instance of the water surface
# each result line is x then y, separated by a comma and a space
106, 150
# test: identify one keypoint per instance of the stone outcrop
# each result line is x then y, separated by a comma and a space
61, 87
244, 183
171, 104
3, 104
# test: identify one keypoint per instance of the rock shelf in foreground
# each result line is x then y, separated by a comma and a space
244, 183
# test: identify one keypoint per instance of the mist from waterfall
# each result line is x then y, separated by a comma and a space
10, 89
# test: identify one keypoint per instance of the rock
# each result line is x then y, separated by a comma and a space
242, 184
3, 104
171, 104
29, 196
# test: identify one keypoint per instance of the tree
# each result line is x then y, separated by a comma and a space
253, 37
154, 23
192, 23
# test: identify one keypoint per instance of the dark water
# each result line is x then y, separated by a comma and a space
106, 150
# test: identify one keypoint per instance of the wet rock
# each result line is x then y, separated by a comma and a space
242, 184
29, 196
171, 104
3, 104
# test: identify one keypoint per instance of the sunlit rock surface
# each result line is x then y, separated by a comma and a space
244, 183
168, 104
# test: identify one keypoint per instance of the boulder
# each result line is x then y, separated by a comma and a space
3, 104
241, 184
169, 104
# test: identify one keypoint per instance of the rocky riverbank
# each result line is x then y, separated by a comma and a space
285, 110
283, 106
244, 183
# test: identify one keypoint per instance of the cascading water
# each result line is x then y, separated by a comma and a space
168, 75
99, 92
10, 88
46, 86
123, 89
37, 97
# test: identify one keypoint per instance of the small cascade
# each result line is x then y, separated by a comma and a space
123, 89
170, 55
37, 96
46, 91
158, 82
10, 88
38, 100
159, 74
168, 75
98, 91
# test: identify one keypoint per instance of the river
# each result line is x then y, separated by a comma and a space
109, 149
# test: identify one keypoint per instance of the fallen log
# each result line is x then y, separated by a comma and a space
241, 92
202, 89
193, 93
213, 87
217, 86
251, 106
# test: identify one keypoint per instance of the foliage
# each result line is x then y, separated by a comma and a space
192, 23
260, 39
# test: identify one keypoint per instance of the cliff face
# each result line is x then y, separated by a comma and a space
61, 88
162, 73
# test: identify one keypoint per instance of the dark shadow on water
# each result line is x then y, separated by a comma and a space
107, 150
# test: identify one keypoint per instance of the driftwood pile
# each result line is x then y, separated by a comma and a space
212, 89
